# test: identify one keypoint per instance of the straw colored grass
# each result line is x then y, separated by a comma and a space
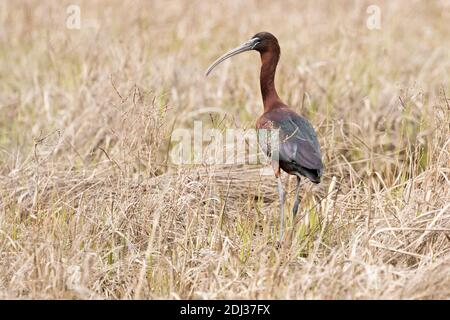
92, 207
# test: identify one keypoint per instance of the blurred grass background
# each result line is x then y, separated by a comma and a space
92, 208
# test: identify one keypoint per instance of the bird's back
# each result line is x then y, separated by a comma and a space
298, 149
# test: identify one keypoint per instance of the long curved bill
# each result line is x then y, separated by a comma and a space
249, 45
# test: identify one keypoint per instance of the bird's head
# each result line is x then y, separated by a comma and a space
261, 42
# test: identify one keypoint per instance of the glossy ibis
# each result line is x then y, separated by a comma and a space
298, 148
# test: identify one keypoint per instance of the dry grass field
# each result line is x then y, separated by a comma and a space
91, 207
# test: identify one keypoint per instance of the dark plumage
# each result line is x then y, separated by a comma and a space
299, 150
298, 147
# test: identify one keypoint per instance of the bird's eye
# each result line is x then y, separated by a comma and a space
256, 41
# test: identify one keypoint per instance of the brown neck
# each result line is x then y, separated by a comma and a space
269, 61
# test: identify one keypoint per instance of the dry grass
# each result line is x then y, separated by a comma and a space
91, 208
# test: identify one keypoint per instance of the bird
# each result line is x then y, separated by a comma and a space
297, 151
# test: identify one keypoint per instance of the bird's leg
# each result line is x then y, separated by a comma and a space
282, 194
282, 198
297, 199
